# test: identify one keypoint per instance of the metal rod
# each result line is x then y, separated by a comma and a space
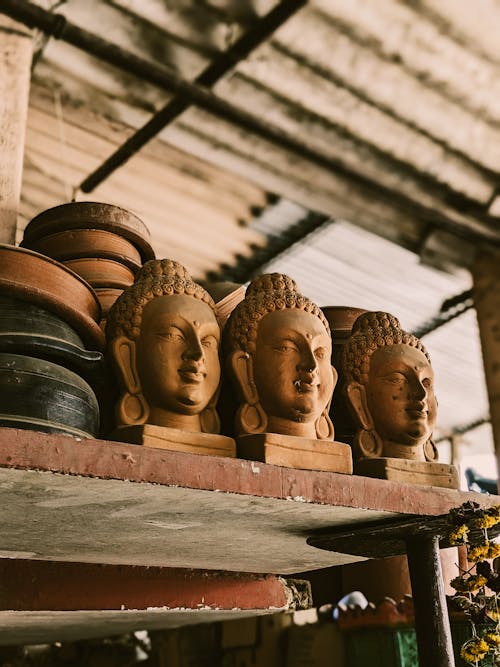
435, 648
256, 35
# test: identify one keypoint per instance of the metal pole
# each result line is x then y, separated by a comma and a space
435, 648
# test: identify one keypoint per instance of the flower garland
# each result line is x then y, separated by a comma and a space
478, 587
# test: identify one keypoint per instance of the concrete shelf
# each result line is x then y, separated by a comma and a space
96, 517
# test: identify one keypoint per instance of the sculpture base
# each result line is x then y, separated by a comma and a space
410, 472
174, 439
293, 452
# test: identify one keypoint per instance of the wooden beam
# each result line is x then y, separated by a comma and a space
35, 585
15, 60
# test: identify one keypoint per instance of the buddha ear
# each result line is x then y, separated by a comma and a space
323, 425
356, 393
123, 351
335, 376
132, 407
209, 417
250, 417
242, 366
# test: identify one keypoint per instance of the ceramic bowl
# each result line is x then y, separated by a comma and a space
41, 281
38, 395
78, 243
101, 272
107, 296
91, 215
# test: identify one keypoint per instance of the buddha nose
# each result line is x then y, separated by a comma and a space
308, 361
194, 349
418, 390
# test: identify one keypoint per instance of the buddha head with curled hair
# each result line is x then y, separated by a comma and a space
280, 351
163, 337
390, 388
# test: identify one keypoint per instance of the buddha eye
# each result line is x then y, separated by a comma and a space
427, 382
209, 341
172, 335
286, 346
396, 378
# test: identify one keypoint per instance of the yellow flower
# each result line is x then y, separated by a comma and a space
474, 650
478, 553
492, 638
493, 551
459, 534
473, 583
493, 614
487, 521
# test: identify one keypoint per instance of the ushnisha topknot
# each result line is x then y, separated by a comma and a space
370, 332
264, 295
158, 277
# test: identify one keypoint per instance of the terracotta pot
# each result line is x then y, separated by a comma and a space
91, 215
42, 396
341, 320
42, 281
101, 272
107, 296
78, 243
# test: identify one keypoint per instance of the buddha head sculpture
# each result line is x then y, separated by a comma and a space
390, 389
280, 351
164, 338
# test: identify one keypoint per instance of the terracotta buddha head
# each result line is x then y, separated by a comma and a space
280, 350
164, 338
390, 388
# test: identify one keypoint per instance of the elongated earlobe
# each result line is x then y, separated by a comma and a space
250, 417
132, 407
324, 426
356, 396
209, 417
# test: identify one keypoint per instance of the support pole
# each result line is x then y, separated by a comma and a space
16, 50
432, 624
486, 275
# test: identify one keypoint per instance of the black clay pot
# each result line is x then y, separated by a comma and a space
35, 332
42, 396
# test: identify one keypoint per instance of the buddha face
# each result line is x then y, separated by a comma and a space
177, 354
292, 369
400, 395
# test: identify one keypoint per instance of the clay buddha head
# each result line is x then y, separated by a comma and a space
164, 338
280, 350
390, 389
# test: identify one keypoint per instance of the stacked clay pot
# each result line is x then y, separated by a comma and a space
341, 320
104, 244
48, 316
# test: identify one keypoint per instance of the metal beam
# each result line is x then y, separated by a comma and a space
255, 36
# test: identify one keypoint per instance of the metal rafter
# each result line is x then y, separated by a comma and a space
255, 36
